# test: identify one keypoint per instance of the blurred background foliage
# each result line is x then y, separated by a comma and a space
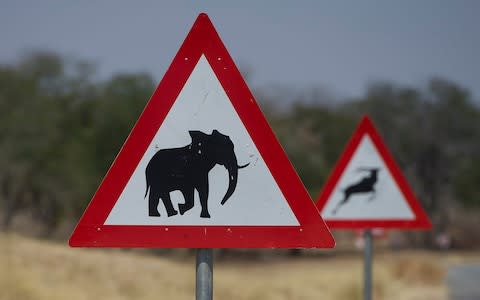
62, 126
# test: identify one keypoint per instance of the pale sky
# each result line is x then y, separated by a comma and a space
341, 45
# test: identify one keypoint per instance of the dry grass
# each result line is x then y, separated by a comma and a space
32, 269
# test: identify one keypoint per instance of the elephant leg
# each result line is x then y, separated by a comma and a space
202, 189
167, 202
188, 194
153, 200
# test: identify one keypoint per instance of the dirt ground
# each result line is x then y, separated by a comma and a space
35, 269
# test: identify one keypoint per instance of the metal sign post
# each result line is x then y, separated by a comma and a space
204, 275
368, 251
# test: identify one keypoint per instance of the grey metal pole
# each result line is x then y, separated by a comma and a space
204, 275
367, 289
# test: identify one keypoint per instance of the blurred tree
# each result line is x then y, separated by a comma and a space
466, 184
54, 121
121, 102
31, 116
61, 128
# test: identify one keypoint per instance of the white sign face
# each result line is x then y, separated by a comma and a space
367, 190
203, 106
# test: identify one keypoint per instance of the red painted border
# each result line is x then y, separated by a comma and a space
202, 39
366, 126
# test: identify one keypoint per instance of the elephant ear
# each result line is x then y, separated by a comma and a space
218, 133
197, 136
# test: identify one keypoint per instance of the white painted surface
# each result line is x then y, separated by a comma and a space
203, 105
388, 203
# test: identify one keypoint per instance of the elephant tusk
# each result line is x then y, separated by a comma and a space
241, 167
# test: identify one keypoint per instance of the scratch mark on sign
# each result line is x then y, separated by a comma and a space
202, 103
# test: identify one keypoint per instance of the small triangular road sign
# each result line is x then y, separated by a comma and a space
202, 168
367, 189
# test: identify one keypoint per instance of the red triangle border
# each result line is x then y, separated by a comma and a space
91, 231
366, 127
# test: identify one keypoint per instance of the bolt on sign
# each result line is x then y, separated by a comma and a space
202, 168
367, 189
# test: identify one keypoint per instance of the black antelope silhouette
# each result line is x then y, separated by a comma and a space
186, 169
365, 185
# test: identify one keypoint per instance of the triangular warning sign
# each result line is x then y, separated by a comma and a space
202, 168
367, 188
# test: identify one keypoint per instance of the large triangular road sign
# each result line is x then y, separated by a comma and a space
367, 188
202, 168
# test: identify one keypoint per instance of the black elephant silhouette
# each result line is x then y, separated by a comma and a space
186, 169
